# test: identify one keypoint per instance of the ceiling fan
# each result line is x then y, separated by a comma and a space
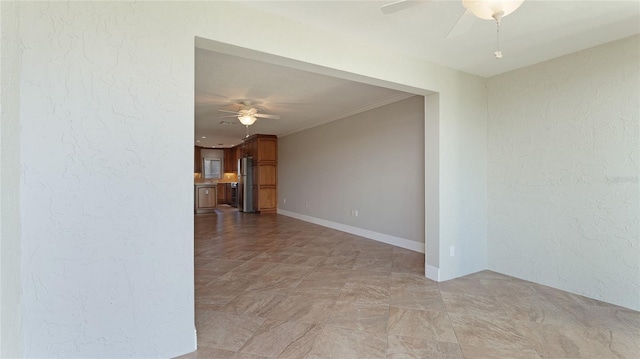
483, 9
247, 114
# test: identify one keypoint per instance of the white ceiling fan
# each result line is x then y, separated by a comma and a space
247, 114
483, 9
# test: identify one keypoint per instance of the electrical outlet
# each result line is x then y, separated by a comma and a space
452, 251
306, 205
355, 212
284, 200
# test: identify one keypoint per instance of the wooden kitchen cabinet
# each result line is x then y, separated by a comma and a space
222, 193
264, 150
205, 198
239, 151
197, 159
230, 162
229, 196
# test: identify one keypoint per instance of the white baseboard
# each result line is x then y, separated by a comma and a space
432, 273
380, 237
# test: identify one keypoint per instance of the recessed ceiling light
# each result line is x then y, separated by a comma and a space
197, 140
203, 137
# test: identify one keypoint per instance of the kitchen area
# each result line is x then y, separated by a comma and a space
243, 176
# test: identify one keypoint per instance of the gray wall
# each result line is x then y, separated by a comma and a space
372, 162
563, 173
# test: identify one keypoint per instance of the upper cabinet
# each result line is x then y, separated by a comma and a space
230, 162
197, 159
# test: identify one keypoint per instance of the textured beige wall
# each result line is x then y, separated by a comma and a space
107, 89
10, 251
563, 173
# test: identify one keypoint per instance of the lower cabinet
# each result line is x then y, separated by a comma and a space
206, 198
222, 193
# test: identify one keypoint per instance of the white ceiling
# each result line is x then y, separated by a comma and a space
537, 31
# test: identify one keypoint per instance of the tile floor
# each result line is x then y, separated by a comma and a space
269, 286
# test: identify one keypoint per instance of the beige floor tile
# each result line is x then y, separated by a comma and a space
494, 334
408, 262
220, 266
254, 268
240, 255
509, 288
279, 339
384, 256
290, 270
227, 331
329, 275
271, 257
253, 303
562, 298
424, 324
338, 262
347, 344
319, 288
382, 279
231, 281
213, 298
202, 316
418, 348
554, 341
535, 309
275, 284
247, 356
487, 274
365, 293
373, 246
261, 289
499, 351
299, 259
305, 308
370, 264
322, 251
412, 282
622, 345
473, 305
426, 300
464, 285
208, 353
350, 315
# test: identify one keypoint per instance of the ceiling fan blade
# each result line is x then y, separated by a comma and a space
232, 116
236, 112
262, 115
462, 26
399, 6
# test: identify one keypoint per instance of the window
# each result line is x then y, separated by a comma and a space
212, 168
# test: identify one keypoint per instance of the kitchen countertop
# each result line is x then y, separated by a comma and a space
205, 184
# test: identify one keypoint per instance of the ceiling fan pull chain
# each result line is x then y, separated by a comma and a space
498, 18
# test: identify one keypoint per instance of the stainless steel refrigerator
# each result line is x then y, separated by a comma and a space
245, 184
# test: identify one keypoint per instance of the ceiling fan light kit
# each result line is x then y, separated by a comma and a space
247, 120
491, 9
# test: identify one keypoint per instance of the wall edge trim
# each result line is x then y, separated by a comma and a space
432, 273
